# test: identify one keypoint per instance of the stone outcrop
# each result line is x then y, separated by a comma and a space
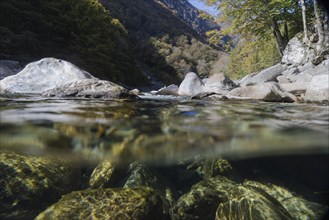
9, 68
268, 75
296, 52
168, 90
318, 89
218, 83
265, 91
29, 184
191, 85
42, 75
59, 78
90, 88
137, 203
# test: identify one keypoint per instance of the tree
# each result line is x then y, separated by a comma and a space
259, 18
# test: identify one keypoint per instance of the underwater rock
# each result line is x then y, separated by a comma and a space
102, 176
29, 184
297, 207
203, 199
245, 202
137, 203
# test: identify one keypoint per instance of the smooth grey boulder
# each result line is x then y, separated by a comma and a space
282, 79
136, 203
9, 68
90, 88
270, 92
248, 201
268, 75
42, 75
322, 68
168, 90
219, 82
318, 89
191, 85
29, 184
296, 52
295, 88
304, 67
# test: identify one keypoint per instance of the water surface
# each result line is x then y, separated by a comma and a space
161, 130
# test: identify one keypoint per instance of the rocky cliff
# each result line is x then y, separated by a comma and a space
166, 45
189, 14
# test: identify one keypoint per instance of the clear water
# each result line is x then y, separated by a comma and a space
288, 143
161, 130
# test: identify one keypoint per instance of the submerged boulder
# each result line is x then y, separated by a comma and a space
318, 89
270, 92
42, 75
137, 203
297, 207
29, 184
191, 85
203, 199
246, 201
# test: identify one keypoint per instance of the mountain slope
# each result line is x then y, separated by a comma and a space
165, 45
191, 15
80, 31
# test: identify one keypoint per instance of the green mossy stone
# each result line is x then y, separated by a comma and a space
133, 203
298, 208
203, 199
245, 202
28, 184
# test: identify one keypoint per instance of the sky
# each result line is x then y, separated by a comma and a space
198, 4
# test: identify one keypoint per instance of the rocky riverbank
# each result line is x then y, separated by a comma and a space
298, 78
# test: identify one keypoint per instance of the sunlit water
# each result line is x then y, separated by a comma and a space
161, 130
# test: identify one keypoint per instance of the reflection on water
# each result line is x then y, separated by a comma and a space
161, 131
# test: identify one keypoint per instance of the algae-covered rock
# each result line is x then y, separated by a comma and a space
203, 199
28, 184
245, 202
297, 207
102, 176
137, 203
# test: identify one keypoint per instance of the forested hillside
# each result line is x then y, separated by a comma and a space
80, 31
165, 46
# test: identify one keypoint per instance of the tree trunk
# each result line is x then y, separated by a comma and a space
318, 25
306, 40
280, 41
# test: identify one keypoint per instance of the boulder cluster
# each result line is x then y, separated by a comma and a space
298, 78
49, 188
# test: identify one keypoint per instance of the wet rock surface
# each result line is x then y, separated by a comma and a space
136, 203
245, 202
29, 184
